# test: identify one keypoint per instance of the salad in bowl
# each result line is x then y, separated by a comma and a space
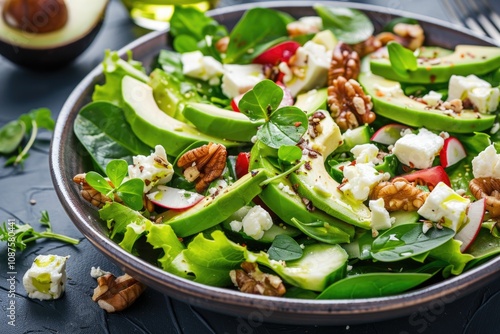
311, 158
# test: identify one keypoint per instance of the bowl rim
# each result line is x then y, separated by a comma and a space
271, 309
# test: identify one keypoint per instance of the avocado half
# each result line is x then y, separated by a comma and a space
57, 48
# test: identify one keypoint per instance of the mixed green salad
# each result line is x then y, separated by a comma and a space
304, 158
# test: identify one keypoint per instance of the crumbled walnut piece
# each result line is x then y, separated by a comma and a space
411, 35
345, 62
252, 280
454, 105
489, 189
349, 105
115, 294
90, 194
221, 44
399, 194
203, 164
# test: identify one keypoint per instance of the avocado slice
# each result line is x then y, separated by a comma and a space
399, 107
227, 124
153, 126
314, 183
58, 47
467, 59
312, 100
279, 196
213, 210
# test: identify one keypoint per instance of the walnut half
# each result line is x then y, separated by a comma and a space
399, 194
489, 189
345, 62
350, 107
203, 164
252, 280
115, 294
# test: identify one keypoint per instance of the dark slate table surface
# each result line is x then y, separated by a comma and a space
25, 193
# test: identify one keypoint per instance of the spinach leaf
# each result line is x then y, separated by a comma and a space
348, 25
402, 59
257, 30
408, 240
284, 248
321, 231
285, 127
483, 248
103, 131
373, 285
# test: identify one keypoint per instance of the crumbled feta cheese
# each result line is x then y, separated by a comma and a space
46, 279
487, 163
239, 79
312, 21
310, 67
98, 272
418, 150
389, 91
286, 189
432, 98
153, 169
196, 65
380, 220
255, 222
443, 203
361, 179
365, 153
480, 93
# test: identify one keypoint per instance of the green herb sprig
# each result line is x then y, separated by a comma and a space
19, 235
13, 133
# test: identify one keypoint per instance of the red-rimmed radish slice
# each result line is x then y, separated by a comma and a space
452, 152
279, 53
429, 177
235, 101
173, 198
287, 96
242, 163
469, 232
389, 134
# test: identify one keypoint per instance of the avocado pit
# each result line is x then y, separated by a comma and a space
35, 16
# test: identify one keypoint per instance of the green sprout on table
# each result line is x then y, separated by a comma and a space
13, 133
19, 235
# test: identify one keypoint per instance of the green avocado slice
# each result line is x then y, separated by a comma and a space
467, 59
400, 108
314, 183
223, 123
213, 210
152, 126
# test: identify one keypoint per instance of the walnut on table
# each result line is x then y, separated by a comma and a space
203, 164
489, 189
250, 279
115, 294
399, 194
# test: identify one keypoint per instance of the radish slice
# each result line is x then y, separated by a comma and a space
389, 134
278, 53
470, 231
173, 198
287, 96
235, 101
452, 152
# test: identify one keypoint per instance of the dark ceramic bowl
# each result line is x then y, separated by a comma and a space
68, 158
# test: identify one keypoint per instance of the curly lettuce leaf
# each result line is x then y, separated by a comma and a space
450, 253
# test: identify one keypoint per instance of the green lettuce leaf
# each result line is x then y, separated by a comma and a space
450, 252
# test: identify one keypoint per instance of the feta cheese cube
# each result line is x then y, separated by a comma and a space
484, 98
239, 79
418, 150
365, 153
381, 220
196, 65
153, 169
432, 98
361, 179
46, 279
446, 206
256, 222
312, 61
487, 163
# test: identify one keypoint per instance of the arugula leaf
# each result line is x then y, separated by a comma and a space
284, 248
256, 31
348, 25
402, 60
407, 240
